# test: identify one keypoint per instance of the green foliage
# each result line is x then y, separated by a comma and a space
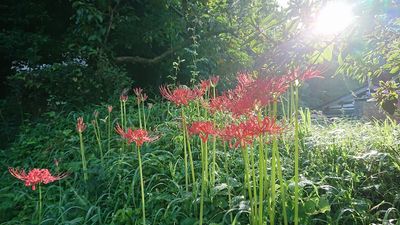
66, 85
372, 49
387, 96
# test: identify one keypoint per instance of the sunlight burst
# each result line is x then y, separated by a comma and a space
333, 18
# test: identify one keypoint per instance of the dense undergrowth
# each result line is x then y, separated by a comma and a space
349, 173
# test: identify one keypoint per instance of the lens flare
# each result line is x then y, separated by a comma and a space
333, 18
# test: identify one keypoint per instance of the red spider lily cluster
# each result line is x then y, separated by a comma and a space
140, 96
244, 133
35, 176
211, 82
139, 136
80, 125
236, 134
181, 96
252, 93
203, 129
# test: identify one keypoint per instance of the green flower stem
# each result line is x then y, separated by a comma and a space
253, 175
40, 204
141, 185
184, 149
206, 163
191, 161
293, 103
98, 138
83, 158
261, 183
214, 159
261, 168
282, 188
109, 131
226, 167
246, 176
140, 114
273, 170
125, 117
214, 154
122, 122
144, 116
203, 179
296, 156
122, 114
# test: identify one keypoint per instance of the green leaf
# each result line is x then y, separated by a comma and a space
394, 70
328, 52
324, 205
340, 59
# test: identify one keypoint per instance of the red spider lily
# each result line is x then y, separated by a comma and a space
180, 96
261, 126
242, 106
36, 176
237, 134
123, 98
138, 136
203, 129
205, 85
214, 80
124, 95
139, 96
244, 79
243, 133
219, 103
308, 74
138, 91
109, 108
80, 125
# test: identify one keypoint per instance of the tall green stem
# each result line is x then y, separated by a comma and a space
125, 117
185, 155
292, 103
203, 180
191, 161
122, 122
140, 114
109, 131
40, 204
98, 138
83, 158
141, 185
214, 159
247, 177
226, 166
261, 168
253, 175
282, 188
214, 154
121, 104
296, 156
144, 116
273, 170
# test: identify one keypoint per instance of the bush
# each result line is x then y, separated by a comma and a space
69, 85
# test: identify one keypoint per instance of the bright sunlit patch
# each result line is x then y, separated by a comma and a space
283, 3
333, 18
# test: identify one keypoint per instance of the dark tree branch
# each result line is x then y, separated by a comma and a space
159, 58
